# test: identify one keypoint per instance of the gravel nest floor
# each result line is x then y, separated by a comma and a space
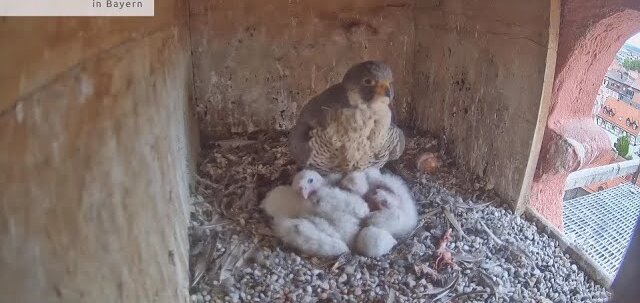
498, 257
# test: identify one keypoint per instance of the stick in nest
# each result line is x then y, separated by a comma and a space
442, 291
342, 260
454, 221
491, 235
203, 260
392, 296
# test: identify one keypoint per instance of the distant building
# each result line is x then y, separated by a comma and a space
624, 84
620, 119
617, 110
604, 93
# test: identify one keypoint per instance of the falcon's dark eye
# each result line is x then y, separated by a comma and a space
310, 180
367, 82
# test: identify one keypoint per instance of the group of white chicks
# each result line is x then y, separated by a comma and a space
364, 211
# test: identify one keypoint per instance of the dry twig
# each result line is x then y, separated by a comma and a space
342, 260
442, 291
454, 221
491, 235
203, 260
392, 296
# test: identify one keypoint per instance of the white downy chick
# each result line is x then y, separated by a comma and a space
311, 235
399, 215
355, 182
307, 182
342, 209
358, 182
333, 179
291, 201
374, 242
372, 173
284, 202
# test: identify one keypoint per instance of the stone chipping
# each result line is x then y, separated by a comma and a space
497, 256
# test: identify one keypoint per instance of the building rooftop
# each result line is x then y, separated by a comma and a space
618, 75
621, 114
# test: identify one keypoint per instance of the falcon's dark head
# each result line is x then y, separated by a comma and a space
369, 82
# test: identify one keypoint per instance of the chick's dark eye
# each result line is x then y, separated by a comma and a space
309, 180
367, 82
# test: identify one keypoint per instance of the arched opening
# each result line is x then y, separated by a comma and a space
576, 138
590, 35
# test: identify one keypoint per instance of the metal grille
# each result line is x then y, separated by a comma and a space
601, 223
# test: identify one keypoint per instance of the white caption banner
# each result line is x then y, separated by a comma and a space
69, 8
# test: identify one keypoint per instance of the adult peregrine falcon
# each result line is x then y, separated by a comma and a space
348, 126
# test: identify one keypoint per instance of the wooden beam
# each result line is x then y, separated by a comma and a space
600, 174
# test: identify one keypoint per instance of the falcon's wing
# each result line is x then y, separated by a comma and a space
316, 113
397, 137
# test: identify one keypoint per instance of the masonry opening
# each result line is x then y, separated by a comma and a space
582, 150
602, 203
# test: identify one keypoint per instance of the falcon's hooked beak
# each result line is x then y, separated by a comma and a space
383, 89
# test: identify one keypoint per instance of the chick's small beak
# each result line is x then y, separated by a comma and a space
303, 192
383, 89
